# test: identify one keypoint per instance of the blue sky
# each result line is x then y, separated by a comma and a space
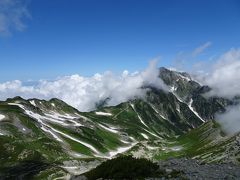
64, 37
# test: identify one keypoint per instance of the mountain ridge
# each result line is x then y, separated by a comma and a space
156, 127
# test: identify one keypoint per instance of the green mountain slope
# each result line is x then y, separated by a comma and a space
56, 140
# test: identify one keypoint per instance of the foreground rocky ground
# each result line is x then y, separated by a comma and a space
193, 169
170, 169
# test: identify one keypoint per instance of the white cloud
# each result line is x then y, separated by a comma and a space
230, 120
224, 76
12, 15
201, 48
84, 92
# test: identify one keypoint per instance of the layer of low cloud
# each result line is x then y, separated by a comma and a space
230, 120
224, 76
84, 92
12, 15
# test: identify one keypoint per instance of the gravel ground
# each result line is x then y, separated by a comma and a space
193, 169
178, 169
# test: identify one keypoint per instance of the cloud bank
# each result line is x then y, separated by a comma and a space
84, 92
224, 76
224, 79
12, 15
230, 120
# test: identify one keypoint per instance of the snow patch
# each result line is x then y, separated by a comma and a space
1, 117
32, 102
139, 117
59, 118
172, 90
195, 112
103, 114
121, 150
152, 134
77, 140
155, 109
145, 136
132, 138
178, 108
176, 148
152, 148
184, 77
15, 104
108, 129
53, 134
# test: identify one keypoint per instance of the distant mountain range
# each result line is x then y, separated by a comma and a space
50, 139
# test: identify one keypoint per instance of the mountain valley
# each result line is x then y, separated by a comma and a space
43, 139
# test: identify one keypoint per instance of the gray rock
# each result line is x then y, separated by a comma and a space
168, 171
193, 169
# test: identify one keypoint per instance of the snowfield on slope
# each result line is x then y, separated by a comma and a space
196, 113
50, 129
47, 128
121, 150
172, 89
108, 129
32, 102
1, 117
145, 136
139, 117
103, 113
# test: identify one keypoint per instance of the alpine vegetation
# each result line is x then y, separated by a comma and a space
174, 119
73, 106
